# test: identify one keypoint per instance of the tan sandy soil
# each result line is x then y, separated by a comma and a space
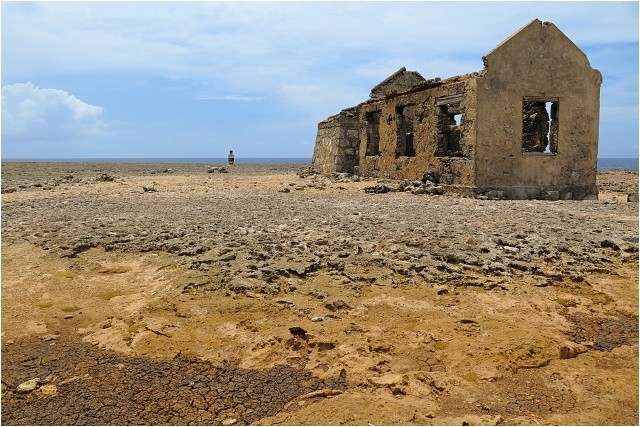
439, 310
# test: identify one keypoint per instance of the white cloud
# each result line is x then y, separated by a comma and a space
253, 44
30, 113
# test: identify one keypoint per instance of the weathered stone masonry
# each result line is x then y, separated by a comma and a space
526, 126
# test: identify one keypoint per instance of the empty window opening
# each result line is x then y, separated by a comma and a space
540, 126
404, 132
372, 129
449, 142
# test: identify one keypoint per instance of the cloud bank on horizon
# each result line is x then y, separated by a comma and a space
158, 79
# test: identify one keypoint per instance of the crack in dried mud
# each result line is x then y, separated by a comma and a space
98, 387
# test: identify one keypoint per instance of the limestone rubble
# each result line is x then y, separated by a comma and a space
442, 309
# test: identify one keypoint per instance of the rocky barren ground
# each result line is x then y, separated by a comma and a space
165, 294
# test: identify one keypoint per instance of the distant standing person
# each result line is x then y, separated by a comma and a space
231, 158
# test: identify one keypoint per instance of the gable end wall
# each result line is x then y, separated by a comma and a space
540, 62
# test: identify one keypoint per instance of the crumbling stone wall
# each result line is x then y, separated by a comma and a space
427, 129
337, 143
526, 126
399, 82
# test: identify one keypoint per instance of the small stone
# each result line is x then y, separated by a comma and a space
298, 332
553, 195
28, 386
105, 177
68, 316
50, 337
317, 319
442, 290
337, 305
632, 198
571, 350
495, 195
378, 189
229, 421
47, 390
437, 190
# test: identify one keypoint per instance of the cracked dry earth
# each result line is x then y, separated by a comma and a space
264, 296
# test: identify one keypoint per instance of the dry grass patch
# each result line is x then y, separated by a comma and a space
66, 274
118, 269
136, 327
45, 304
471, 377
107, 295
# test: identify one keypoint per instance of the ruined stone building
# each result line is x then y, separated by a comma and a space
526, 126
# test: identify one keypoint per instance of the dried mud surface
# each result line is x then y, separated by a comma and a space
267, 297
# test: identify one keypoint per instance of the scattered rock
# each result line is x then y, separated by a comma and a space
105, 177
442, 290
219, 169
149, 188
609, 244
28, 386
47, 390
306, 173
378, 189
434, 190
571, 350
337, 305
389, 380
495, 195
431, 176
297, 331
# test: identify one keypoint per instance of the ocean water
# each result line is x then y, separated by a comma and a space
603, 163
183, 160
617, 163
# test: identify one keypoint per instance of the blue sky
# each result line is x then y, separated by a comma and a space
181, 79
